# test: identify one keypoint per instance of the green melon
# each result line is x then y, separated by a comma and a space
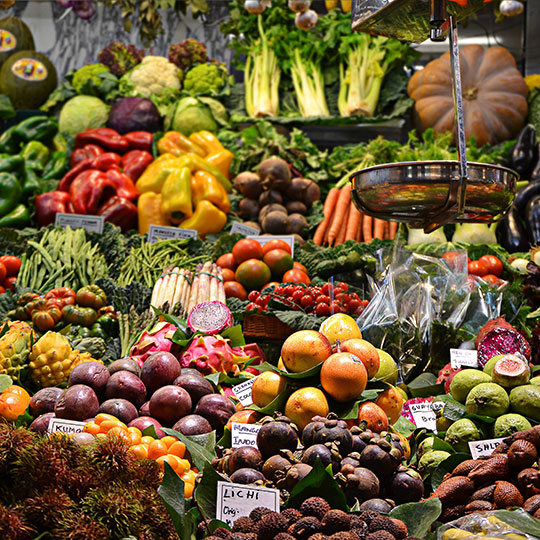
15, 36
27, 77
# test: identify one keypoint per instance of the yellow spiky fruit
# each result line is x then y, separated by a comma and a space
14, 348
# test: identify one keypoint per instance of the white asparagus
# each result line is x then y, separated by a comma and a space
169, 292
221, 289
157, 289
187, 291
194, 289
163, 288
178, 289
213, 284
204, 284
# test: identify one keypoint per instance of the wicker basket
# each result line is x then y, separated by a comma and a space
265, 326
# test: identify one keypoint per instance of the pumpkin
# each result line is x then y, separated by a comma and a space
494, 94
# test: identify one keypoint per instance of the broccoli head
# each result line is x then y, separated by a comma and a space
188, 53
120, 58
205, 79
82, 75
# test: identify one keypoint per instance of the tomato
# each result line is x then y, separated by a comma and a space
12, 264
296, 276
8, 282
227, 261
253, 274
477, 268
3, 272
494, 264
276, 244
228, 274
492, 279
246, 249
450, 255
299, 266
273, 284
2, 290
233, 289
279, 261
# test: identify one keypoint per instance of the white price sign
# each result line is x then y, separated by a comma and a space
80, 221
159, 232
264, 239
460, 358
243, 392
236, 500
484, 448
244, 435
424, 416
246, 230
61, 425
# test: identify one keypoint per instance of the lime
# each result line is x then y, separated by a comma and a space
488, 399
464, 381
460, 433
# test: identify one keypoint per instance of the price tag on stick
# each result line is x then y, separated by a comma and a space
424, 416
484, 448
243, 392
246, 230
460, 358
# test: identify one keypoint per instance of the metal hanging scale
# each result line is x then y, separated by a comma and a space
428, 194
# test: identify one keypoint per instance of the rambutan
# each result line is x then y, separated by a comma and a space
156, 520
13, 526
12, 442
147, 473
111, 459
80, 527
47, 508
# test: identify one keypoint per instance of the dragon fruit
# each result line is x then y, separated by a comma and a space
499, 322
155, 340
406, 410
446, 374
209, 354
502, 340
210, 318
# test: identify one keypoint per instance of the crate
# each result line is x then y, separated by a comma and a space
265, 326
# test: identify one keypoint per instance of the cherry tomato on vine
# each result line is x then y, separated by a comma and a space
477, 268
493, 264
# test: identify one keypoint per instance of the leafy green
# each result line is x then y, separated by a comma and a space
534, 109
134, 295
418, 516
6, 108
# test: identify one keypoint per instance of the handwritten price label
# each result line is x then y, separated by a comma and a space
79, 221
244, 435
484, 448
243, 392
463, 358
424, 416
158, 232
60, 425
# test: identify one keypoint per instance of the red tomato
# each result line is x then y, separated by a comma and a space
2, 290
227, 261
477, 268
279, 261
12, 264
299, 266
8, 282
494, 264
273, 284
492, 279
228, 274
245, 249
276, 244
452, 255
233, 289
296, 276
3, 272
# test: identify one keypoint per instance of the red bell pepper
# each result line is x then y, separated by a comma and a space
90, 190
88, 151
135, 162
49, 204
68, 178
107, 138
121, 212
124, 184
139, 140
106, 161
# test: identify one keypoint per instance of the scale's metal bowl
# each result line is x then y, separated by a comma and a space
419, 192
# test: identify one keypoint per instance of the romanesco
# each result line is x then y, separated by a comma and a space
152, 76
82, 75
205, 79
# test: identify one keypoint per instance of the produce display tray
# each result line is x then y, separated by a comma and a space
265, 326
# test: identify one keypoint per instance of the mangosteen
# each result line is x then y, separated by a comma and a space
248, 209
329, 429
406, 486
379, 460
295, 473
270, 197
320, 451
276, 435
275, 467
377, 505
363, 484
247, 476
275, 222
244, 457
248, 184
275, 174
358, 444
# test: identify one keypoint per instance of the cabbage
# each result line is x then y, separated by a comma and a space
134, 114
82, 112
197, 114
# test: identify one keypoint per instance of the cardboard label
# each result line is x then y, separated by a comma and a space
246, 230
243, 392
463, 358
159, 232
264, 239
60, 425
484, 448
80, 221
424, 416
236, 500
244, 435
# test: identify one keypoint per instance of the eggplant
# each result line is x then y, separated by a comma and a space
525, 194
535, 173
523, 154
512, 233
532, 219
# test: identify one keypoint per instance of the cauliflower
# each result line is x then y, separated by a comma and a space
89, 72
205, 79
152, 76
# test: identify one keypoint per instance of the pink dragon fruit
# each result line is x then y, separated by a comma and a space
498, 322
155, 340
210, 318
502, 340
406, 410
255, 354
446, 374
209, 354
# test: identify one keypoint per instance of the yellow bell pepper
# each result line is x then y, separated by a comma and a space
176, 196
149, 211
153, 178
221, 160
207, 141
205, 187
207, 219
200, 164
178, 144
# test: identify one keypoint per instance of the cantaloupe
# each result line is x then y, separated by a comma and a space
15, 36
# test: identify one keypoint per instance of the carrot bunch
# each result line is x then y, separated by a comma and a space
343, 221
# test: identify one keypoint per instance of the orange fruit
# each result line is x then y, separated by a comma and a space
104, 416
168, 440
305, 349
343, 376
173, 461
107, 425
92, 427
134, 435
178, 449
304, 404
20, 391
140, 450
373, 415
190, 476
12, 405
391, 402
188, 490
156, 449
244, 416
146, 439
365, 351
267, 387
119, 432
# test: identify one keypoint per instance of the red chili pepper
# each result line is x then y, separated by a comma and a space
139, 140
88, 151
90, 190
73, 173
124, 184
107, 138
462, 3
121, 212
49, 204
135, 162
106, 161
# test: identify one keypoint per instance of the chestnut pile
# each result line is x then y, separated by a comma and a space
366, 465
509, 477
273, 201
314, 520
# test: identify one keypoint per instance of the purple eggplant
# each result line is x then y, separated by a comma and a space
532, 219
523, 154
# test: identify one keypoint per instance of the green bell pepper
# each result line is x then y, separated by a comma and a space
10, 192
60, 143
10, 163
56, 166
19, 217
9, 142
37, 128
98, 331
35, 155
31, 183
